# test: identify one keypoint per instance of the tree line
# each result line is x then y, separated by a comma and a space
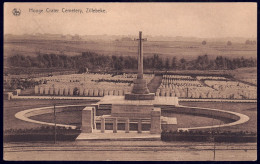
92, 60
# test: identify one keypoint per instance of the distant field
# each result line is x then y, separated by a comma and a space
166, 48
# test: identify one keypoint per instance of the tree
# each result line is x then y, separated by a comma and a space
204, 42
174, 63
167, 64
183, 63
229, 43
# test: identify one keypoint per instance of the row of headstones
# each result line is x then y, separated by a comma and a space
81, 92
196, 95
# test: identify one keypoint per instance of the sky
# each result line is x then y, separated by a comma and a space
205, 20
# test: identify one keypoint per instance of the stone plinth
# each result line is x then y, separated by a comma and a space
156, 121
140, 87
87, 120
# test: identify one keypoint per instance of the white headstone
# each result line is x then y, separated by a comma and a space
95, 92
90, 92
36, 89
101, 93
41, 90
51, 91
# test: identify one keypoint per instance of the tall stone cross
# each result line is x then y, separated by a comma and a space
140, 55
140, 90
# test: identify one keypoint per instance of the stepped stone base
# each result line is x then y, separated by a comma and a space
140, 87
132, 96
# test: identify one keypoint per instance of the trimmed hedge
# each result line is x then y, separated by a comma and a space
208, 136
41, 134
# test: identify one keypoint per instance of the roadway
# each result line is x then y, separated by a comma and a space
130, 151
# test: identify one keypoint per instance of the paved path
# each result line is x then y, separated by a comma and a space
154, 83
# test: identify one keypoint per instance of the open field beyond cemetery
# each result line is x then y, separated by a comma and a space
73, 117
186, 49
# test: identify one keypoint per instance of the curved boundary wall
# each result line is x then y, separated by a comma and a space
26, 114
237, 118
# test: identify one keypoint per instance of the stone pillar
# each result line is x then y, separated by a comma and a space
156, 121
87, 120
115, 125
103, 124
139, 126
94, 114
127, 125
36, 90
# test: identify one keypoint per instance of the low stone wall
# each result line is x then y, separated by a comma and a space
237, 118
25, 114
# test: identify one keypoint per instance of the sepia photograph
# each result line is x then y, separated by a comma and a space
140, 81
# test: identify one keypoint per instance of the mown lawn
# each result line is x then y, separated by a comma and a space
11, 107
249, 109
73, 117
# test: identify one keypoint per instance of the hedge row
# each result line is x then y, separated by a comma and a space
208, 136
41, 134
